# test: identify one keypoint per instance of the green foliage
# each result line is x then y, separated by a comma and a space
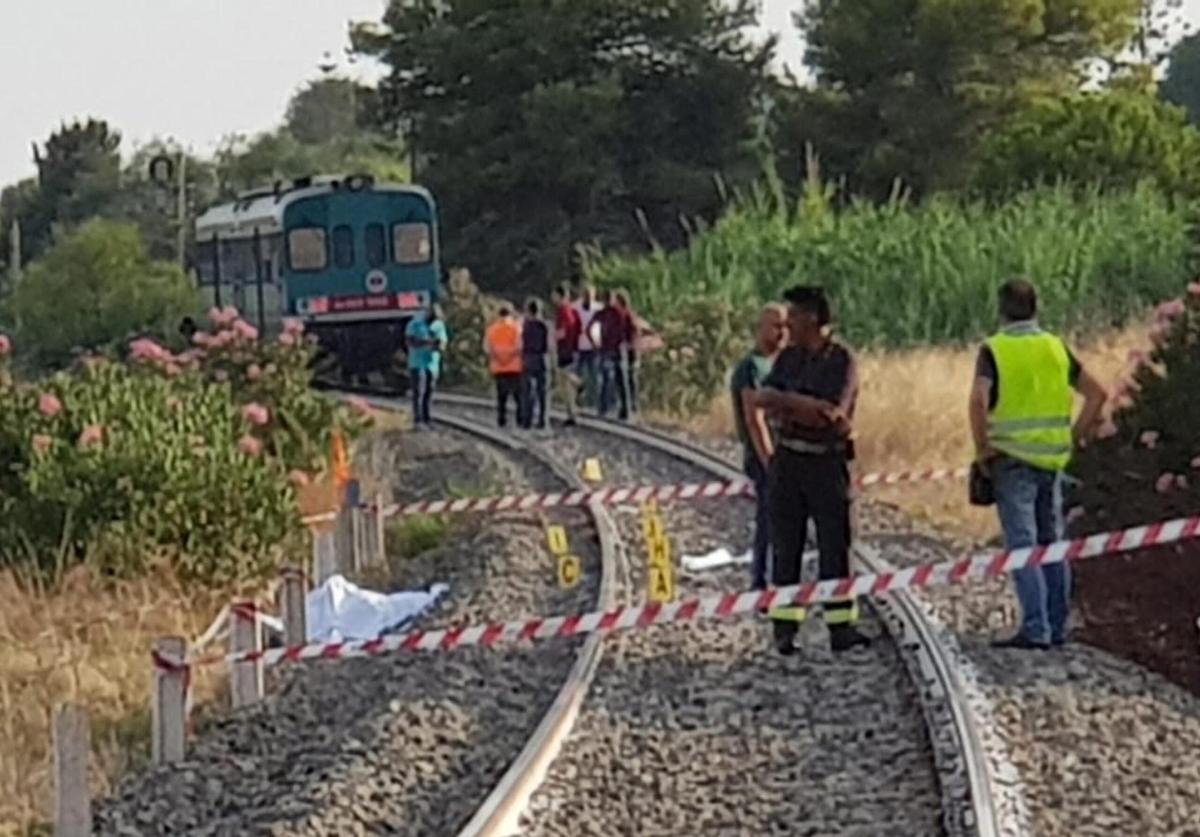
254, 163
899, 274
98, 285
184, 456
1181, 85
468, 312
325, 110
1114, 140
415, 534
906, 88
1148, 465
622, 106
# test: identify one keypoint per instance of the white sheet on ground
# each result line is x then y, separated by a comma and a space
722, 557
339, 610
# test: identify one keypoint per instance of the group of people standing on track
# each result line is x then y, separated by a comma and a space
794, 398
590, 352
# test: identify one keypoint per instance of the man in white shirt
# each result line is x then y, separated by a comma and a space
586, 360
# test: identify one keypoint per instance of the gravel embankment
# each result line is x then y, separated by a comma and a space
405, 744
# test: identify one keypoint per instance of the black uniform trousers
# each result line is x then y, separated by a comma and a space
816, 486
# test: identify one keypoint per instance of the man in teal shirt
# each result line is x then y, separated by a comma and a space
426, 338
752, 430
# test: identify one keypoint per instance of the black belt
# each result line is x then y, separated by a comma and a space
803, 446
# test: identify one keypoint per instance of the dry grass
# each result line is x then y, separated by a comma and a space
84, 642
912, 413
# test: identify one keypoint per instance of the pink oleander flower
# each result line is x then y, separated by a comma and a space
1196, 464
1159, 333
1165, 483
250, 445
42, 443
287, 339
1181, 482
49, 405
222, 317
91, 436
245, 331
291, 325
146, 349
298, 478
202, 338
5, 345
1136, 357
1193, 289
172, 370
253, 372
1106, 430
256, 414
1149, 439
1169, 310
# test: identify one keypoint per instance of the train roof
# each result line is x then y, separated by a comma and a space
263, 209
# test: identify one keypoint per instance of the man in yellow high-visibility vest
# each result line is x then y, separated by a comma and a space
1021, 419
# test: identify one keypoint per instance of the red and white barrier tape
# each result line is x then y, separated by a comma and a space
637, 617
641, 494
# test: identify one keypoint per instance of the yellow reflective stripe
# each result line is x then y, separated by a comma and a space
1034, 448
788, 614
1018, 425
841, 615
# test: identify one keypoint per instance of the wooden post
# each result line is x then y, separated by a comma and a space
246, 678
324, 554
72, 802
169, 701
358, 529
293, 598
380, 552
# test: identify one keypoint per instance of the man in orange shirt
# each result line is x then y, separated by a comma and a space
502, 342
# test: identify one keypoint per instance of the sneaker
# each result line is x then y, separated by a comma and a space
1021, 642
847, 639
785, 638
569, 422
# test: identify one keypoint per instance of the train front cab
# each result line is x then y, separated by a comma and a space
360, 263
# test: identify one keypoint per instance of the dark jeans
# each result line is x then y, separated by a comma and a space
762, 521
533, 398
1029, 502
799, 487
508, 385
614, 382
587, 367
631, 375
423, 384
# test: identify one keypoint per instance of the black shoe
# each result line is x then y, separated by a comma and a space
1021, 642
785, 638
846, 639
569, 423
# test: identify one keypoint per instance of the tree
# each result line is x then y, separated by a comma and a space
97, 286
1181, 85
905, 88
1112, 140
324, 110
543, 125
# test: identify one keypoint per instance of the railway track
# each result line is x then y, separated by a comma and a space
695, 729
969, 799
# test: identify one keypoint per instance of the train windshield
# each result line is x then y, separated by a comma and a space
306, 249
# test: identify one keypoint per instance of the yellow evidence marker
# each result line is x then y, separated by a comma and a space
662, 585
569, 571
591, 470
556, 538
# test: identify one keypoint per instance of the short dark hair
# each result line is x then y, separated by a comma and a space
505, 309
1018, 300
562, 291
533, 307
810, 298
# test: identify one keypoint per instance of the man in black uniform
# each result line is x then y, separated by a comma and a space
809, 396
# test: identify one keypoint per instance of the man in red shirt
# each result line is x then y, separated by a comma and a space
613, 331
567, 330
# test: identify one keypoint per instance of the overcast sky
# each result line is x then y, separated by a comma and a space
195, 70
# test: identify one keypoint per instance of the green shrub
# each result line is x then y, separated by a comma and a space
186, 456
1147, 467
95, 288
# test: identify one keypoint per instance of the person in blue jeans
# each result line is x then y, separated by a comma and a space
426, 338
1021, 421
752, 429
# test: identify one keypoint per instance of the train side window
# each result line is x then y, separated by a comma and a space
411, 243
376, 245
343, 247
306, 249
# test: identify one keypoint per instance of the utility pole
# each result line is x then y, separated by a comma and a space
182, 210
14, 252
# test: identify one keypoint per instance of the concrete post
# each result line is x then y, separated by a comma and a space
72, 802
246, 678
169, 701
294, 599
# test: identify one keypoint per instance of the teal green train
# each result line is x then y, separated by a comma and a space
353, 259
